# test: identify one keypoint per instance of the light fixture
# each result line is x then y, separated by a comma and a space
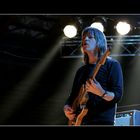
99, 22
70, 31
98, 25
123, 28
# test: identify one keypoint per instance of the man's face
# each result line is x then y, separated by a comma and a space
88, 42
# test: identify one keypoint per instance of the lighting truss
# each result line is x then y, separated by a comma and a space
130, 46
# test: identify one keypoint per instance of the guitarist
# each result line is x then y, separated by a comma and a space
104, 91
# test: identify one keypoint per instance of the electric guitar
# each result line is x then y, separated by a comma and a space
82, 97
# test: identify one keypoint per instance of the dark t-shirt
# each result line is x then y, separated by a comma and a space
111, 79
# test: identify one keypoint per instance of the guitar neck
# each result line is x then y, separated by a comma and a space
99, 63
95, 71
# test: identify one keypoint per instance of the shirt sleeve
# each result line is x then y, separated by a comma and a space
116, 81
115, 85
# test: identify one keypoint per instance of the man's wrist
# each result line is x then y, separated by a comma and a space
104, 94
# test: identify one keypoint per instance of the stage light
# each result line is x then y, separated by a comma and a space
123, 28
99, 22
70, 31
98, 25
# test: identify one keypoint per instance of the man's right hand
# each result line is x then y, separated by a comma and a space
69, 112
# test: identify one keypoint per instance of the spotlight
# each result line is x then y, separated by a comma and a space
70, 31
99, 23
123, 28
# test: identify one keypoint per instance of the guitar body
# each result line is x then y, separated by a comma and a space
81, 116
78, 120
79, 101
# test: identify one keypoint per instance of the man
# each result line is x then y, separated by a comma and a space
104, 91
